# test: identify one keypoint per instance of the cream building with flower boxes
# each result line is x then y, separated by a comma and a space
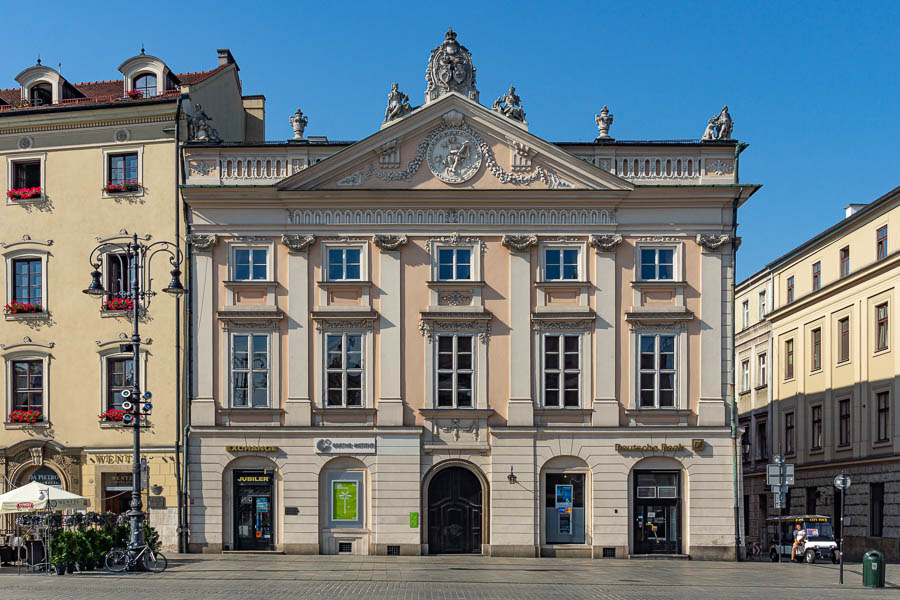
454, 336
84, 163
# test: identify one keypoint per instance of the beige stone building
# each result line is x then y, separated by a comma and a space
815, 377
454, 336
85, 163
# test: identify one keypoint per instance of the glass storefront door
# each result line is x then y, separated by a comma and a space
253, 510
657, 512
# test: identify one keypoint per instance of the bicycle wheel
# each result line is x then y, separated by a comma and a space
116, 561
155, 562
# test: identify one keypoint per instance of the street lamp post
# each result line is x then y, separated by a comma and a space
137, 256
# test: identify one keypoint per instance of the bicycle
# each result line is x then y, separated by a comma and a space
120, 559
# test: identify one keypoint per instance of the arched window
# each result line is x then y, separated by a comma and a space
145, 84
41, 94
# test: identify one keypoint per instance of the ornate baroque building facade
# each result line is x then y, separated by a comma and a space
816, 378
83, 164
454, 336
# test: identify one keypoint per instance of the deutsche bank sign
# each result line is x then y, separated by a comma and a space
345, 446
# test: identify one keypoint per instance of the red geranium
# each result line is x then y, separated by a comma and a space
14, 308
118, 304
134, 94
25, 416
125, 186
112, 415
24, 193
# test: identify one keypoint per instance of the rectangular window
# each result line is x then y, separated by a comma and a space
562, 371
844, 339
454, 264
343, 369
883, 402
845, 261
790, 289
123, 168
815, 442
250, 370
789, 359
657, 371
27, 174
119, 377
561, 264
762, 442
881, 327
344, 264
745, 376
762, 305
876, 509
118, 274
657, 263
816, 349
455, 370
789, 447
881, 242
816, 275
27, 285
745, 310
844, 422
763, 368
251, 264
28, 385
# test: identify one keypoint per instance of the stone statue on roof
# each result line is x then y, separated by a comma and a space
450, 69
509, 105
298, 123
199, 129
398, 104
719, 127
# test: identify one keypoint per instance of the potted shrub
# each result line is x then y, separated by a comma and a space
62, 551
118, 304
25, 416
112, 415
25, 193
17, 308
123, 187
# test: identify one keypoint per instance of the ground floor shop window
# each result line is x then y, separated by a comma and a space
116, 492
254, 510
657, 512
564, 512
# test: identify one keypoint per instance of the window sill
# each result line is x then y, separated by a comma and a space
344, 283
354, 411
109, 314
259, 410
28, 201
454, 283
39, 425
843, 447
879, 352
27, 316
115, 195
841, 363
761, 387
659, 411
816, 451
882, 443
659, 283
789, 380
743, 393
549, 411
815, 371
118, 425
456, 412
562, 283
245, 283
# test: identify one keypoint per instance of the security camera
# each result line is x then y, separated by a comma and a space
126, 393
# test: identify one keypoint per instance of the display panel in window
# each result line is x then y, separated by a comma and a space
455, 371
250, 264
27, 284
119, 377
344, 264
657, 371
28, 385
561, 264
343, 369
454, 264
657, 263
562, 371
250, 370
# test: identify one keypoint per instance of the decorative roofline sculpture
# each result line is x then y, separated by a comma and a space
719, 127
606, 242
509, 106
297, 242
519, 243
604, 122
199, 129
450, 69
389, 242
299, 122
398, 104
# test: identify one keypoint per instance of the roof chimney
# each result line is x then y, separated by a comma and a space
852, 209
225, 57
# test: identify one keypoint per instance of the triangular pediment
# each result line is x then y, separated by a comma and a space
453, 143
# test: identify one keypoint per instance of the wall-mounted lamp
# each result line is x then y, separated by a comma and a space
512, 477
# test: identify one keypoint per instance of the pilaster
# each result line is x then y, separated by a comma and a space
390, 399
203, 307
520, 411
606, 406
713, 307
298, 410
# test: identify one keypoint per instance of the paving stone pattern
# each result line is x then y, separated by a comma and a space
253, 577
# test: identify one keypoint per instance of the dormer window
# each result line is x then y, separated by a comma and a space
41, 94
146, 85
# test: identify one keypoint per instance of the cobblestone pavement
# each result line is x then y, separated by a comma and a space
272, 577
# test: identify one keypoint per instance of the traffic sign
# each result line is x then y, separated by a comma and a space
788, 474
773, 474
842, 482
778, 501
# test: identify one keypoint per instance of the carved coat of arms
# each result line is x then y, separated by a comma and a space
454, 156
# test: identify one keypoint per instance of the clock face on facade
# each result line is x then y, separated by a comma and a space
454, 156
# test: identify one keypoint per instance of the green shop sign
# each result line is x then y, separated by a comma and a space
344, 500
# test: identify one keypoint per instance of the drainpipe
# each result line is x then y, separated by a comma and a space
178, 355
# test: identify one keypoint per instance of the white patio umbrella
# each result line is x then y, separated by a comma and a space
34, 497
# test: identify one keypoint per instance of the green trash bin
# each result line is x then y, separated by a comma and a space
873, 569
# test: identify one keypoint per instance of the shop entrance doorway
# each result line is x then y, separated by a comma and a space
253, 510
657, 512
454, 512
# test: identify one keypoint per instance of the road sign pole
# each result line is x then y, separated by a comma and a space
785, 500
841, 546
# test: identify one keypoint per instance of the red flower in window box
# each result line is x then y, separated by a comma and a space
15, 308
134, 94
25, 193
125, 186
25, 416
112, 415
118, 304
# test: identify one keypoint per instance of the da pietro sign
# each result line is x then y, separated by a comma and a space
345, 446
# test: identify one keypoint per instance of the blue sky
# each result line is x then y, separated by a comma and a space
813, 87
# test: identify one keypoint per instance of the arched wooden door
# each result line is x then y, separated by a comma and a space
454, 512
